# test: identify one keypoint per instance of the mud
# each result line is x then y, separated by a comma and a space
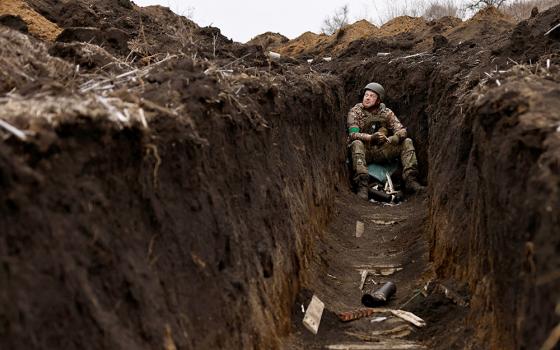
167, 187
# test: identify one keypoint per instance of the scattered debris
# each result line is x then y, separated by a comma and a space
451, 295
312, 317
331, 276
379, 270
410, 317
381, 222
392, 344
359, 228
399, 331
347, 316
364, 275
383, 54
378, 319
327, 59
409, 56
274, 55
365, 312
389, 271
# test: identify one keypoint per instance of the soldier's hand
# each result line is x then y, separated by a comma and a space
378, 138
394, 140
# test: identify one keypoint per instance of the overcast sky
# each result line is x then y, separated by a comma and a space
242, 20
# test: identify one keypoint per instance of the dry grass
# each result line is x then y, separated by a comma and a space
521, 10
23, 61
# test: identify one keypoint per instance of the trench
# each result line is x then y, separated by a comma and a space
212, 227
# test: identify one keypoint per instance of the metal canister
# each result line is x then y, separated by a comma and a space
379, 296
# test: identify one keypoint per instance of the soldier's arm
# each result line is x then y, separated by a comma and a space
354, 128
395, 125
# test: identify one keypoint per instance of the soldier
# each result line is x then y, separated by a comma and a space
377, 136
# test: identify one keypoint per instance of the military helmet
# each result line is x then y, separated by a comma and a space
375, 87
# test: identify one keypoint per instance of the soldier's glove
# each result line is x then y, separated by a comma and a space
394, 139
378, 138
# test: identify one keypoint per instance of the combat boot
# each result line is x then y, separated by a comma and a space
362, 182
413, 186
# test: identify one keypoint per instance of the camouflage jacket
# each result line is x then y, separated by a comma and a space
381, 120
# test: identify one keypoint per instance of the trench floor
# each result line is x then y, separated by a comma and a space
393, 247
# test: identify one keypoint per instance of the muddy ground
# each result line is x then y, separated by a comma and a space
164, 186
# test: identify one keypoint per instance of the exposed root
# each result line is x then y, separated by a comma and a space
154, 150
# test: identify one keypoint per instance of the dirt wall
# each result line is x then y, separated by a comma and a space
190, 233
494, 211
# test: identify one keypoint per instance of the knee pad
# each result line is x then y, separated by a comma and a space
357, 146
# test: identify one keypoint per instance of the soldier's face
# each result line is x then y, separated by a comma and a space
370, 99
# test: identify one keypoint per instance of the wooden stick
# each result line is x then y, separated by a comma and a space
17, 133
556, 26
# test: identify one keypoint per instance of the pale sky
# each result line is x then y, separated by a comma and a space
242, 20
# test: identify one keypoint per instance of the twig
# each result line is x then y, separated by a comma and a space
17, 133
143, 118
214, 39
412, 298
232, 62
552, 29
513, 61
111, 109
409, 56
126, 74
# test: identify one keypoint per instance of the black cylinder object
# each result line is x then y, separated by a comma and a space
379, 196
380, 296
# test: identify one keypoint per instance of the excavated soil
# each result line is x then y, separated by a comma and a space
165, 187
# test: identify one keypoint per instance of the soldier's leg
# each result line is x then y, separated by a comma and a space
358, 151
410, 167
383, 153
359, 166
408, 157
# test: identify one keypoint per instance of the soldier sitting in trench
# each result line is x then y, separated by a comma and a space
377, 136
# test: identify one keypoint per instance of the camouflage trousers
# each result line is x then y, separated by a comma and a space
364, 154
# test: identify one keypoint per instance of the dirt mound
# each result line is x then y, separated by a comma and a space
359, 30
268, 40
402, 24
304, 44
148, 31
311, 44
491, 13
38, 25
